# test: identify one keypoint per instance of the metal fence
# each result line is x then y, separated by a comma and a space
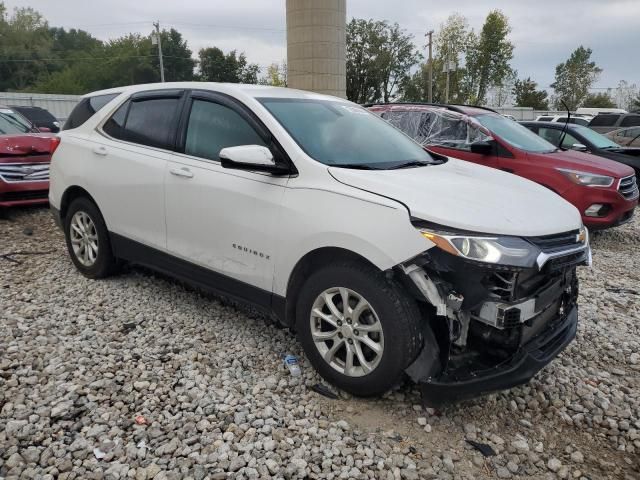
60, 106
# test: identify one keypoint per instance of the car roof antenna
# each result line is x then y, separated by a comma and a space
566, 124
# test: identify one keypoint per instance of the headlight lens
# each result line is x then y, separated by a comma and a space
512, 251
586, 178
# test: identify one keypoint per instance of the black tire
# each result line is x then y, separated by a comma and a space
105, 263
398, 314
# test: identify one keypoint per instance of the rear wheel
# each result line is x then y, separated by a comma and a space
358, 329
88, 240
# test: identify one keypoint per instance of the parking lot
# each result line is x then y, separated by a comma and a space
139, 377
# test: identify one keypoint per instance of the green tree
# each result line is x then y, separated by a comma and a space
598, 100
395, 59
66, 42
450, 44
379, 58
635, 104
215, 66
276, 75
574, 78
364, 42
25, 48
527, 95
487, 57
177, 60
129, 60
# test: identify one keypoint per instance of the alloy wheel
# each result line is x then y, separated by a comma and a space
347, 331
84, 238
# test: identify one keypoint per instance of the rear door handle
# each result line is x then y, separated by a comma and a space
181, 172
100, 150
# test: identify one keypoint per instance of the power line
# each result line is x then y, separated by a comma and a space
233, 27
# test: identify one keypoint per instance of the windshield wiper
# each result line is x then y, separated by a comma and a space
354, 166
413, 163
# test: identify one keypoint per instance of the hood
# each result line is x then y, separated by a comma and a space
584, 162
470, 197
617, 155
25, 144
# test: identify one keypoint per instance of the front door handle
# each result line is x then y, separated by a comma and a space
100, 150
181, 172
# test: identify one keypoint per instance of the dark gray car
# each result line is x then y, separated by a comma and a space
608, 122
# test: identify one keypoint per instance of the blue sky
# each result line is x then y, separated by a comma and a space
545, 32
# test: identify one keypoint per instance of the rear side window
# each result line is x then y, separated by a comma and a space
630, 121
115, 125
86, 109
151, 122
604, 120
148, 122
213, 127
545, 119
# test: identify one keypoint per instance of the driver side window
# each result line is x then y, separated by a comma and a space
213, 127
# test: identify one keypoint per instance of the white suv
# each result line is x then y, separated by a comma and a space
577, 119
384, 258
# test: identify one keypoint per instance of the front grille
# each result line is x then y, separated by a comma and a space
628, 187
557, 242
571, 260
24, 172
24, 195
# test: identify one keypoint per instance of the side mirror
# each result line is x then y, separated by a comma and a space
579, 147
250, 157
482, 148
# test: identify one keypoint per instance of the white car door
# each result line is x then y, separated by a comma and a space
129, 159
223, 219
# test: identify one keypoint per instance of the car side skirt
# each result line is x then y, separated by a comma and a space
200, 277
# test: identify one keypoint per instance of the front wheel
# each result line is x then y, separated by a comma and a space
358, 329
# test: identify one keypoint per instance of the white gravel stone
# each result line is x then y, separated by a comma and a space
554, 464
577, 457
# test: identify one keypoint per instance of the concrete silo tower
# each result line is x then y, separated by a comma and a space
316, 45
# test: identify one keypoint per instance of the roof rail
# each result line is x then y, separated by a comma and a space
452, 107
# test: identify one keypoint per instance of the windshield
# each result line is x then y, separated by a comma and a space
10, 122
343, 134
599, 141
515, 134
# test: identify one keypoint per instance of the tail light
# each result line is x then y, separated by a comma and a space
55, 142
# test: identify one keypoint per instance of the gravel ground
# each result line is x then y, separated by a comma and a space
81, 361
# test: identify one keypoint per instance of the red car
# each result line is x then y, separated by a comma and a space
605, 192
25, 155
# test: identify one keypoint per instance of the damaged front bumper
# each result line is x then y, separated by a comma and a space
524, 364
490, 327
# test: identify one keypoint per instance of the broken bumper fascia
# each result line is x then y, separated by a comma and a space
524, 365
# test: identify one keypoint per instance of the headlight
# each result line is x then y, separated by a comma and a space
586, 178
512, 251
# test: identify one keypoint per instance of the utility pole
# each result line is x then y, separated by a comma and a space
159, 40
430, 36
447, 66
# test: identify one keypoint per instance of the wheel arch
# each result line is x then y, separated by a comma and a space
309, 263
69, 195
